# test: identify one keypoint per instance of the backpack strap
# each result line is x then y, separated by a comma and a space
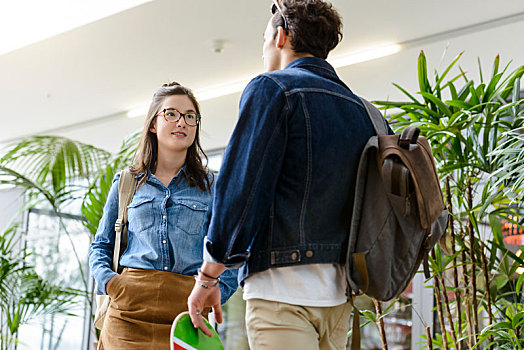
126, 191
376, 118
359, 260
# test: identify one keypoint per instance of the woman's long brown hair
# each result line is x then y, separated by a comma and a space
145, 158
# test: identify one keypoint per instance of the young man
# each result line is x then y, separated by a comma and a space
285, 191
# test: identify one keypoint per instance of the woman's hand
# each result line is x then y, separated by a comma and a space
206, 293
111, 280
201, 298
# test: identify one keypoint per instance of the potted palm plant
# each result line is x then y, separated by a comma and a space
475, 129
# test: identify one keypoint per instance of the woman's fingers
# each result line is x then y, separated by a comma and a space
199, 299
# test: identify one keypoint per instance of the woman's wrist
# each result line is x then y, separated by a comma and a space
205, 276
210, 271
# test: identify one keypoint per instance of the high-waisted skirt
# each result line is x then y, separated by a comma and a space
143, 305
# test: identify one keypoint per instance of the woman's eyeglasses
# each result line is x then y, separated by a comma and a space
275, 8
172, 115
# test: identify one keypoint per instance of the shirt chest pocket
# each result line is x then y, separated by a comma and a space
191, 216
140, 213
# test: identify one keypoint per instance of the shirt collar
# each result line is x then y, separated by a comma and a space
182, 172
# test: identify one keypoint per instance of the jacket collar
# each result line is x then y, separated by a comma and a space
318, 66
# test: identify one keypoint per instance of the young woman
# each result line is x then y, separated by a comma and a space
168, 219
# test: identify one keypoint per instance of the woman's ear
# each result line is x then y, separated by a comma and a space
153, 127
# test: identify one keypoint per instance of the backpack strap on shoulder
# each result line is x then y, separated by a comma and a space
126, 191
376, 118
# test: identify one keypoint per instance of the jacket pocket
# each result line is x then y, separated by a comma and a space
140, 213
191, 216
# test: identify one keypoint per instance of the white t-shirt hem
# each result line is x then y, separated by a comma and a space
322, 285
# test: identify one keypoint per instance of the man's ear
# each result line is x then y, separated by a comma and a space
281, 38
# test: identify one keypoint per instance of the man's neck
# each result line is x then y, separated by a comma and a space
290, 56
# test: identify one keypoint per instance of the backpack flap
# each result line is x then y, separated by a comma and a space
414, 152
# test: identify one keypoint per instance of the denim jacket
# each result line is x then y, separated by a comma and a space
166, 232
285, 191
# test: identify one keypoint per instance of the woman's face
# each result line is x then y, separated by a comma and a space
177, 136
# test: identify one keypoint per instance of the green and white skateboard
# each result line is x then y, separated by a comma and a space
186, 337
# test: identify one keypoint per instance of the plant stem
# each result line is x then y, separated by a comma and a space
467, 296
380, 324
428, 338
439, 308
455, 261
448, 311
472, 254
488, 292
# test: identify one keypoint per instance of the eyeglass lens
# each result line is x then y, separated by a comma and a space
172, 115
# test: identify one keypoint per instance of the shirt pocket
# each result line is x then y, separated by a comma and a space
140, 213
191, 216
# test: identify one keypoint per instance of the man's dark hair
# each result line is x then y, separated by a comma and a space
314, 25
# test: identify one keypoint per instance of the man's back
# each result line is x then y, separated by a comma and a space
284, 194
299, 137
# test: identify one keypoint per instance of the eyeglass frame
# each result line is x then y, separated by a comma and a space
182, 115
276, 7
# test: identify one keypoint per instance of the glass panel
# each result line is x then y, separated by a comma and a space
53, 255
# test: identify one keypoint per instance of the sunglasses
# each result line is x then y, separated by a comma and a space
275, 8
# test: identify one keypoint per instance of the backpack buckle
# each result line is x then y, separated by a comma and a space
118, 225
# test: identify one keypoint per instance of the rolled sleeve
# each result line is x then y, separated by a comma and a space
101, 250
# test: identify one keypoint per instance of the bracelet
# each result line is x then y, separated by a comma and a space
206, 275
207, 284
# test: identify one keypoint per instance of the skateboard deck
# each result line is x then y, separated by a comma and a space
186, 337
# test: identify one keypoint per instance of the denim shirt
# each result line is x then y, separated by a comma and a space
284, 195
166, 231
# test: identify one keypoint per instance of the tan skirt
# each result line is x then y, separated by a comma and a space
144, 303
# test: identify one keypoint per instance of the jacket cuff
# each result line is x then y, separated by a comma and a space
233, 262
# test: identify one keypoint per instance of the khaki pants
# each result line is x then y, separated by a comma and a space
274, 325
144, 303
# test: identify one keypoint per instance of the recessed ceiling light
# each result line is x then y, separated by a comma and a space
24, 22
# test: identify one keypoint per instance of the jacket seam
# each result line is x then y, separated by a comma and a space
255, 185
308, 171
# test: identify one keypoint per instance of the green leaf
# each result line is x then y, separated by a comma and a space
496, 62
465, 91
500, 281
423, 73
519, 284
407, 94
480, 70
442, 107
369, 315
446, 71
459, 104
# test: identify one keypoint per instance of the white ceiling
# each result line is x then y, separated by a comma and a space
81, 83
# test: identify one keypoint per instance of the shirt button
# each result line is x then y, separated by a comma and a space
165, 268
294, 256
164, 241
164, 217
194, 206
309, 253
